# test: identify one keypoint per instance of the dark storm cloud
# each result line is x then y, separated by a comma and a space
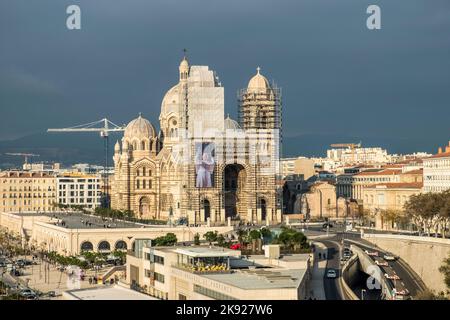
339, 79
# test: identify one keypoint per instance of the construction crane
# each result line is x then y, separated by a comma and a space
26, 155
104, 127
346, 145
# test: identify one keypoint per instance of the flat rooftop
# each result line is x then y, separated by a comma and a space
84, 221
106, 293
254, 279
203, 252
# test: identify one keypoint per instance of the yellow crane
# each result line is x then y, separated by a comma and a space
104, 127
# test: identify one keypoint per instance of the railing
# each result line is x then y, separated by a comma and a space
210, 269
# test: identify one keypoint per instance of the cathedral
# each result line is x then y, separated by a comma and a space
202, 165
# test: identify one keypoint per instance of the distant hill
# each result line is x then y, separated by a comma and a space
70, 148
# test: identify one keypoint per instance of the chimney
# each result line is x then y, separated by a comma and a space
440, 150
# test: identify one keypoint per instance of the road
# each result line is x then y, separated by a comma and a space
408, 278
332, 287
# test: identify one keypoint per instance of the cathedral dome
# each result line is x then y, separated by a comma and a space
140, 128
258, 82
231, 124
171, 101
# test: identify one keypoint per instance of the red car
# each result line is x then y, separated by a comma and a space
236, 246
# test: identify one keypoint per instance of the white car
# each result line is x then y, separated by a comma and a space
382, 263
392, 277
372, 253
389, 257
331, 274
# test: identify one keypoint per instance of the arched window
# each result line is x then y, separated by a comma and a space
104, 246
87, 246
143, 145
121, 245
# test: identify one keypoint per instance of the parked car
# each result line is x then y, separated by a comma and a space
327, 225
331, 274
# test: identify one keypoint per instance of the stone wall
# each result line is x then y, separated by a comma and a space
423, 254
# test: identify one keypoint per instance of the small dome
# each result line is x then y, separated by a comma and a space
231, 124
140, 128
184, 65
258, 82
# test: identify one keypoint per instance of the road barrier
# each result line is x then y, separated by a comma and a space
345, 287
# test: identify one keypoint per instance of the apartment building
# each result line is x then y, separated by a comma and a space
22, 191
79, 189
436, 171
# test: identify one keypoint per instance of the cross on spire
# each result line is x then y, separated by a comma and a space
258, 69
184, 52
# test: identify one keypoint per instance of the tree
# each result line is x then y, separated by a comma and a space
170, 239
265, 232
254, 234
430, 211
210, 236
445, 270
197, 239
220, 240
429, 295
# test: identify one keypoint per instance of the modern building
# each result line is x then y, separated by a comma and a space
22, 191
436, 171
79, 189
72, 233
297, 166
358, 155
201, 165
205, 273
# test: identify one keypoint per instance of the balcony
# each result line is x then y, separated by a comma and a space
203, 269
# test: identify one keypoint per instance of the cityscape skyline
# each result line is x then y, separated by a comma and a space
326, 73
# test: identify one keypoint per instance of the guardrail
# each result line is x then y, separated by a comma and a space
345, 287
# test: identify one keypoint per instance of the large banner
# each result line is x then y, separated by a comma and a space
204, 164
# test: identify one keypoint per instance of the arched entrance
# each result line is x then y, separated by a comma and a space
263, 206
206, 206
234, 177
144, 206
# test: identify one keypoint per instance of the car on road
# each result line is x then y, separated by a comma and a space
403, 292
371, 253
331, 274
392, 276
347, 255
382, 263
389, 257
327, 225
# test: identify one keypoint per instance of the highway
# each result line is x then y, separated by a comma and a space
408, 279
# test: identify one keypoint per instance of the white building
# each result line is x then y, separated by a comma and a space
215, 273
436, 171
79, 189
359, 155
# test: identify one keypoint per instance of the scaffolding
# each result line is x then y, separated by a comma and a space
260, 109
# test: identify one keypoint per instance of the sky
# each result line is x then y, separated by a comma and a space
340, 81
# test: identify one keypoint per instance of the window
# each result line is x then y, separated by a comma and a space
159, 260
159, 277
181, 297
211, 293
